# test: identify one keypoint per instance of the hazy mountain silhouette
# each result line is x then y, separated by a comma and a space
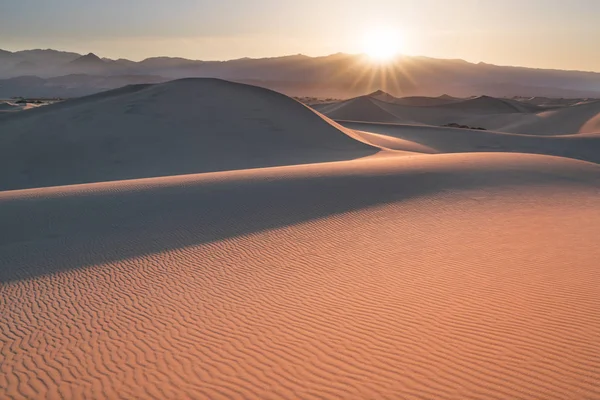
338, 75
89, 59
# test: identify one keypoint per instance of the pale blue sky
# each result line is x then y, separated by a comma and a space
538, 33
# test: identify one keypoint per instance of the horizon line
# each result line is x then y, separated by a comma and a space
400, 55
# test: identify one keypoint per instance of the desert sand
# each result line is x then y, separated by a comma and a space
205, 239
504, 115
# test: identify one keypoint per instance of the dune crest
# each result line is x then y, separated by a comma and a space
502, 115
360, 109
212, 125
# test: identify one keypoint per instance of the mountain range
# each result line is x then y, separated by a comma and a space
52, 73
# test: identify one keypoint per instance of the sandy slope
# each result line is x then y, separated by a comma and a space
422, 101
391, 274
505, 115
179, 127
579, 118
369, 109
359, 109
432, 139
444, 276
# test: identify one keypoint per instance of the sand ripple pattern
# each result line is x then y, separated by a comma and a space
465, 292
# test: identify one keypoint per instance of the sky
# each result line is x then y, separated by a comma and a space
561, 34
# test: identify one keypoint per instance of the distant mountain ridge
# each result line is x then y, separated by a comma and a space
338, 75
89, 58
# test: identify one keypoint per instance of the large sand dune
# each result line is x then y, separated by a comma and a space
185, 126
396, 273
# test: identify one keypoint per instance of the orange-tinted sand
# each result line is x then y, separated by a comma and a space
391, 275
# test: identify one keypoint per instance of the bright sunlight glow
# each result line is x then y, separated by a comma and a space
382, 44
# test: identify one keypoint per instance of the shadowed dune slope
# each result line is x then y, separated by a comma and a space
179, 127
441, 276
362, 108
383, 96
433, 139
419, 101
366, 109
422, 101
490, 105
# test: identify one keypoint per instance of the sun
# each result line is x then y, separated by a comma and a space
382, 44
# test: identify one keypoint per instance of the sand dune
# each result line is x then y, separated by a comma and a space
417, 101
422, 101
383, 96
367, 109
419, 276
179, 127
388, 142
579, 118
491, 105
505, 115
434, 139
359, 109
549, 102
323, 261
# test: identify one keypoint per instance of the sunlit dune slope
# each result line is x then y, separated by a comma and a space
432, 139
185, 126
439, 276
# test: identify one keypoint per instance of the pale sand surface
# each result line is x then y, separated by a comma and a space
435, 139
179, 127
503, 115
393, 274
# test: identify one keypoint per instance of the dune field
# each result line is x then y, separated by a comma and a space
505, 115
202, 239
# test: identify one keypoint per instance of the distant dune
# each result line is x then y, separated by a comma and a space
423, 101
579, 118
418, 101
205, 239
490, 105
505, 115
453, 140
362, 108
